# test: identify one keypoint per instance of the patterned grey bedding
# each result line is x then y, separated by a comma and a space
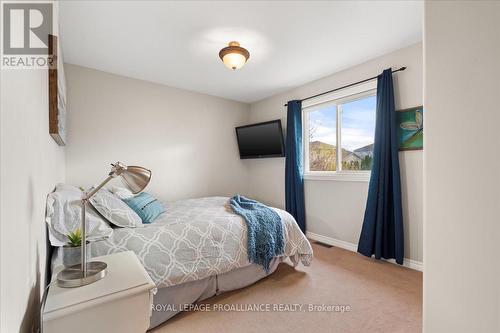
195, 239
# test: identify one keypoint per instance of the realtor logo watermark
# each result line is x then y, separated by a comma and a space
263, 307
25, 34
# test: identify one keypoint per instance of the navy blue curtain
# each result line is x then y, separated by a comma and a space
294, 181
382, 232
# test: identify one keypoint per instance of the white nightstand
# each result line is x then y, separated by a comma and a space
120, 302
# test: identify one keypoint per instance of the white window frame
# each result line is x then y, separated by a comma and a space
339, 97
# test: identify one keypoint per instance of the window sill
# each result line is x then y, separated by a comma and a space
338, 176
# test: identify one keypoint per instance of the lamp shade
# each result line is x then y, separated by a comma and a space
234, 56
136, 178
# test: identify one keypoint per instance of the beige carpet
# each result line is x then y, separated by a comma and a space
383, 298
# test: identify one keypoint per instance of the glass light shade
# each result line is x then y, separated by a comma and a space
234, 56
234, 60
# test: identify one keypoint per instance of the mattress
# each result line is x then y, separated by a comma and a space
196, 239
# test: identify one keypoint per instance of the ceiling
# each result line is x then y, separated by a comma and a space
177, 43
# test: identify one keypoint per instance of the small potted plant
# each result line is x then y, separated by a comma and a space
72, 252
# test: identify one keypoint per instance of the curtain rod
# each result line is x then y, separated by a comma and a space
347, 86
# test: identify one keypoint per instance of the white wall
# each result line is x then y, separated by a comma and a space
462, 163
335, 209
187, 139
31, 164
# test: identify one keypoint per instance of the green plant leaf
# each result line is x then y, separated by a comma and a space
75, 238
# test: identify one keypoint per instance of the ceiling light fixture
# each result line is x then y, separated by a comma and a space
234, 56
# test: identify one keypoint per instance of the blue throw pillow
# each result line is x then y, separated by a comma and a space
146, 206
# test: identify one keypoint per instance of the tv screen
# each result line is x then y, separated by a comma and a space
261, 140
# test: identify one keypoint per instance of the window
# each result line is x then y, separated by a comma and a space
338, 136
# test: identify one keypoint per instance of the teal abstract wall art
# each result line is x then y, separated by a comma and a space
410, 124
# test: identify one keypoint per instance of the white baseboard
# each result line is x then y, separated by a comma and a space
409, 263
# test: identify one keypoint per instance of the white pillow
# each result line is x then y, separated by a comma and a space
121, 192
63, 216
67, 187
115, 210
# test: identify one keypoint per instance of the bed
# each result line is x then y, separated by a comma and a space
197, 249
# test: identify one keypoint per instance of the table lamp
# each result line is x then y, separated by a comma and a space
136, 178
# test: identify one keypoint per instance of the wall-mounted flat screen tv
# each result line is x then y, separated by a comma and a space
261, 140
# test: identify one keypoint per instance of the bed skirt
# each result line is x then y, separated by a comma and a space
173, 297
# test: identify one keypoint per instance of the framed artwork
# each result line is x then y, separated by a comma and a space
57, 93
410, 124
